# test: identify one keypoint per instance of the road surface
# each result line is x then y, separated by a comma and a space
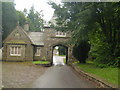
58, 60
61, 76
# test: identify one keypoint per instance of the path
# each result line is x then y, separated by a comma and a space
61, 76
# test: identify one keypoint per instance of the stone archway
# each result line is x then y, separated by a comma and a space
68, 53
66, 49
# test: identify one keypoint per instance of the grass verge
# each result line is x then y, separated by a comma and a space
108, 74
64, 59
62, 55
41, 62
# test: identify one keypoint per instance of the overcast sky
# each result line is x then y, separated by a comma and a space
39, 5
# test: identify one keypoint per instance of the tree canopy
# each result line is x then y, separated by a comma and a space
21, 18
35, 20
9, 18
95, 23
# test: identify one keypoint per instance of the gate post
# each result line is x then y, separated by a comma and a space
70, 55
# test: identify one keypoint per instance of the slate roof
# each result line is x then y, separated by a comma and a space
37, 38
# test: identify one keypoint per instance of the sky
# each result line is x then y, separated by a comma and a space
38, 5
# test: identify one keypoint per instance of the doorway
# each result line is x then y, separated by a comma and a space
60, 55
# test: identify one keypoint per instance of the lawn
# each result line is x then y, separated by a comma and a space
64, 60
41, 62
109, 74
62, 55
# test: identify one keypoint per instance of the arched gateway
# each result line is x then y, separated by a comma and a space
55, 38
23, 45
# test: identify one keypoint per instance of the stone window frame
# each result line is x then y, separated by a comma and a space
60, 34
15, 50
38, 51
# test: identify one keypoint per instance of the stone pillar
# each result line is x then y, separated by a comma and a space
70, 55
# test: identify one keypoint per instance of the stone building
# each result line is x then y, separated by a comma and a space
23, 45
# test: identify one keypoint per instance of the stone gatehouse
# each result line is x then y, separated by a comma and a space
23, 45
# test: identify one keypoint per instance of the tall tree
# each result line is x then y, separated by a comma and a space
96, 23
35, 20
9, 18
21, 18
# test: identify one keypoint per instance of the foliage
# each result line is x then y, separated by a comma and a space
9, 18
95, 23
62, 50
43, 58
21, 18
80, 51
35, 20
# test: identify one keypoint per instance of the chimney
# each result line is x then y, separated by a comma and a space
26, 26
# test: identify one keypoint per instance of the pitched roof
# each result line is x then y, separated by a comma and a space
36, 37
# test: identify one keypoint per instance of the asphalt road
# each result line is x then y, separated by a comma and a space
58, 60
61, 76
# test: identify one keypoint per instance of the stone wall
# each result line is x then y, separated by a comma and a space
50, 41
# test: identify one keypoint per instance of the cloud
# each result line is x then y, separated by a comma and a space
38, 4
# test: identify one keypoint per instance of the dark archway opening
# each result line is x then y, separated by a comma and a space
59, 55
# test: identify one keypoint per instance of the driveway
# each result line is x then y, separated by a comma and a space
20, 74
61, 76
58, 60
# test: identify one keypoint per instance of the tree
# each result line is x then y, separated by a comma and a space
80, 51
62, 50
21, 18
9, 18
96, 23
35, 20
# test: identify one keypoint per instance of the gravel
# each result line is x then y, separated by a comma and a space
20, 74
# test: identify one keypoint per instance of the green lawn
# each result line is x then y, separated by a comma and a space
110, 75
41, 62
64, 60
62, 55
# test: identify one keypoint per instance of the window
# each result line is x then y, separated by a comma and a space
15, 51
60, 34
38, 51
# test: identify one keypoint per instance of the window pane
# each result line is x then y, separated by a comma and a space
38, 52
19, 50
12, 50
15, 50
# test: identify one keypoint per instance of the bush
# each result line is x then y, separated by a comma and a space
80, 52
105, 56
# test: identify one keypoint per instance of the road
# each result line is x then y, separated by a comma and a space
58, 60
61, 76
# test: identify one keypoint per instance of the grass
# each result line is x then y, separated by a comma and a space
109, 74
62, 55
64, 60
41, 62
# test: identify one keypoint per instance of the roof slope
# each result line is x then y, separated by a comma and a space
36, 37
18, 36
